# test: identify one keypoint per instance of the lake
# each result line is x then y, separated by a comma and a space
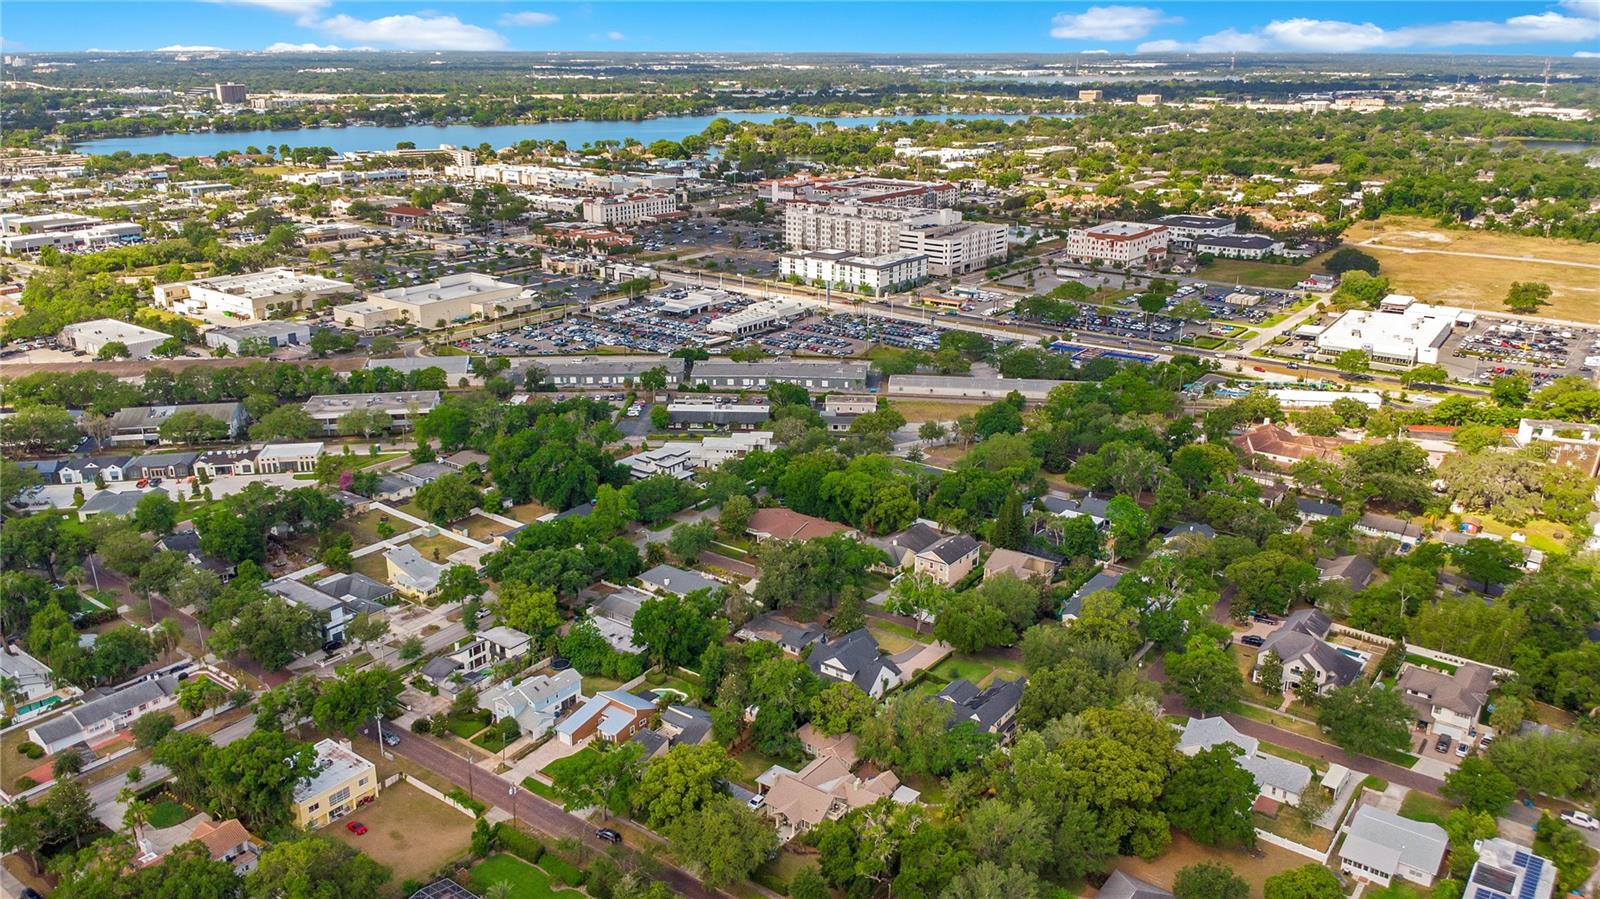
379, 137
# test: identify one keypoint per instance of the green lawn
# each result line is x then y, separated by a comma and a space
975, 668
1400, 889
656, 679
167, 813
1422, 807
535, 785
467, 726
753, 763
527, 881
493, 740
1256, 274
582, 757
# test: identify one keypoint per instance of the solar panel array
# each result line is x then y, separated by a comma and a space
1534, 866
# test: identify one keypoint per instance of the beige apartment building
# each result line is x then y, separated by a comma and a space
341, 781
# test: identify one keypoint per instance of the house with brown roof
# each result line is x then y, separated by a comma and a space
778, 523
1284, 447
1023, 566
229, 841
824, 790
1447, 703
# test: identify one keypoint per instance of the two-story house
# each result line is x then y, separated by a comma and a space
993, 709
1299, 644
229, 841
949, 560
535, 703
855, 658
338, 782
613, 715
1448, 704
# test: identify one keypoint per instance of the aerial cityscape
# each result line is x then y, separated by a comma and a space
737, 450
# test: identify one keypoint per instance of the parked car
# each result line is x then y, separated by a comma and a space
1581, 819
1253, 640
1443, 743
1461, 750
356, 827
606, 834
757, 800
391, 740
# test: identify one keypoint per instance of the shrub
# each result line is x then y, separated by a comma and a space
25, 783
559, 868
460, 797
31, 750
421, 726
520, 844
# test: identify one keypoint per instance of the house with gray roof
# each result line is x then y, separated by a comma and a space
855, 658
1353, 571
949, 560
1310, 509
412, 574
1125, 886
141, 425
1406, 533
537, 702
116, 503
903, 546
1201, 734
1300, 645
613, 615
334, 610
1103, 580
160, 465
993, 708
612, 715
1447, 703
96, 721
664, 579
1380, 846
791, 637
1277, 779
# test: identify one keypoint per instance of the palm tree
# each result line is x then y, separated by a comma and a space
169, 631
11, 693
500, 889
137, 814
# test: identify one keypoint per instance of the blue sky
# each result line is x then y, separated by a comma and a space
1557, 28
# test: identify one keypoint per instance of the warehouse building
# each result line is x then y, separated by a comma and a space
452, 298
821, 375
92, 336
270, 335
959, 387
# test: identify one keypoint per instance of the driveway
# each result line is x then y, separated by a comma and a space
553, 750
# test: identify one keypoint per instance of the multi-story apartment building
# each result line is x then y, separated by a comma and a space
870, 230
844, 269
957, 248
630, 209
1123, 243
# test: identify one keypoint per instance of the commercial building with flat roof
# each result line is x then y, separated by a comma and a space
1239, 246
142, 424
1400, 332
1193, 226
601, 371
403, 407
961, 387
762, 316
452, 298
630, 209
1118, 242
252, 295
819, 375
92, 336
270, 335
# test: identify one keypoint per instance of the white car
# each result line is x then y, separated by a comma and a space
1581, 819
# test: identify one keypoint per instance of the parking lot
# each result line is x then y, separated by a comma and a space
642, 325
1494, 347
847, 335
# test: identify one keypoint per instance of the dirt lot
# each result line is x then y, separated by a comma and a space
408, 830
1184, 852
1481, 283
934, 410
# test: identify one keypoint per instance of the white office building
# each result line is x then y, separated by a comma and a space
1239, 246
253, 295
844, 269
754, 319
452, 298
1123, 243
957, 248
1401, 331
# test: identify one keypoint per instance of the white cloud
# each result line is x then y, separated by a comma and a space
1333, 36
304, 11
413, 32
527, 19
1587, 54
191, 48
1108, 23
1095, 52
285, 47
612, 36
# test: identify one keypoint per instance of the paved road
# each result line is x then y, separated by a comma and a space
103, 795
528, 807
1416, 780
727, 563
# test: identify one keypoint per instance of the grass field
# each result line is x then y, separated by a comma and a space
1259, 274
1422, 807
976, 669
1184, 852
934, 410
890, 643
527, 512
1481, 283
578, 759
437, 548
372, 565
480, 528
364, 527
409, 831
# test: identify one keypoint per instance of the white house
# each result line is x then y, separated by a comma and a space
1380, 846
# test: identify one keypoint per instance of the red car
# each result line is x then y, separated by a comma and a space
356, 827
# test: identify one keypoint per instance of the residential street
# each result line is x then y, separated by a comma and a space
528, 807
